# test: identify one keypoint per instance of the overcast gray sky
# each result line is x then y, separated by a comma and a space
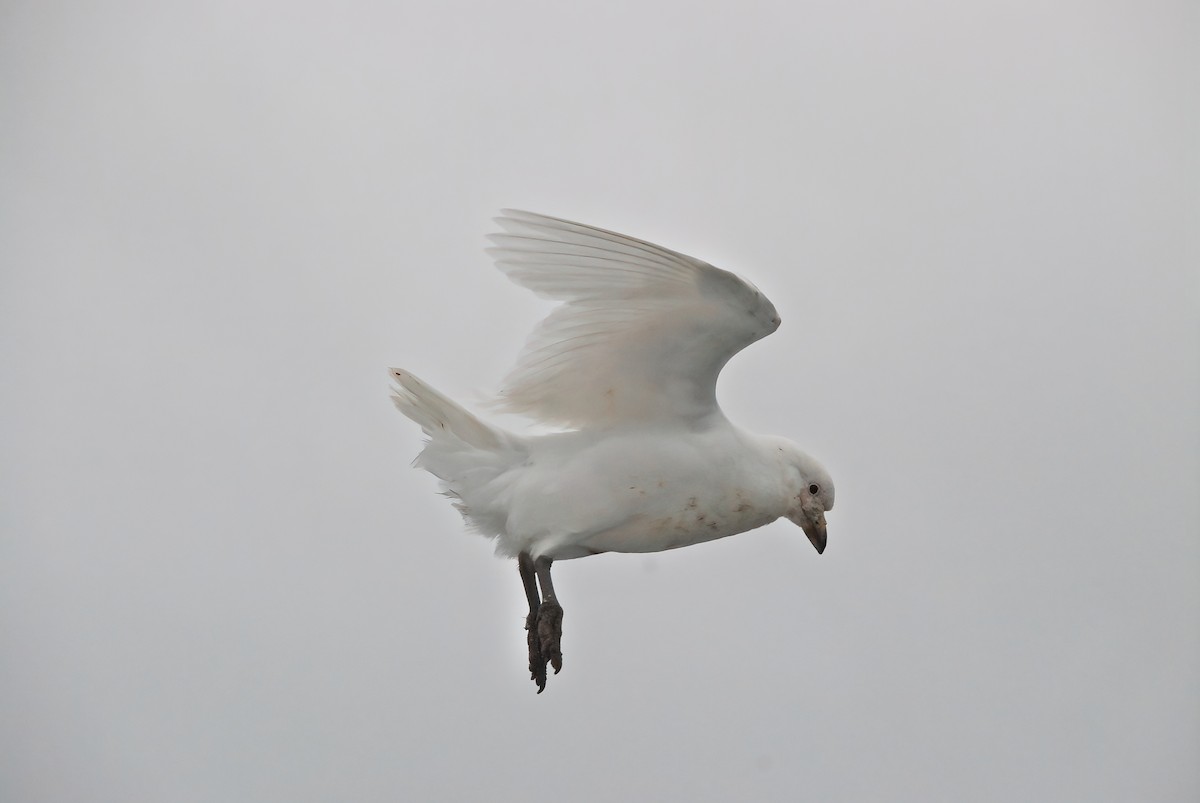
219, 223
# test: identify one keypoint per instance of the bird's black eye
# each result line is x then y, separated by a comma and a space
814, 489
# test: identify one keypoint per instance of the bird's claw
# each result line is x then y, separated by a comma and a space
537, 664
544, 637
549, 631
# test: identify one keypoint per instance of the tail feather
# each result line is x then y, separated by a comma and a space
471, 458
439, 415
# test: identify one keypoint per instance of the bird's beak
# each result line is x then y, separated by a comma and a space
815, 530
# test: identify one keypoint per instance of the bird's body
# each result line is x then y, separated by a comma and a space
639, 490
627, 489
629, 364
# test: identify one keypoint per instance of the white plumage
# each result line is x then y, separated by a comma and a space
628, 362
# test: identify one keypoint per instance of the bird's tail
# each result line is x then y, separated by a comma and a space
439, 416
466, 454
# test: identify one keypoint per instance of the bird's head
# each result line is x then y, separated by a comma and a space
810, 494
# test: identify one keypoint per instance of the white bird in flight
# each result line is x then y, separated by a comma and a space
627, 366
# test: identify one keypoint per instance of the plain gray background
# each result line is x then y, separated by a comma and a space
220, 222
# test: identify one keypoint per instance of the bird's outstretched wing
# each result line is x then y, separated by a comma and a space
642, 331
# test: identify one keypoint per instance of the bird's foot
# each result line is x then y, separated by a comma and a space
549, 632
537, 664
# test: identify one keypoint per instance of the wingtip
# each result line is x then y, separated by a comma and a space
510, 220
523, 217
509, 215
510, 211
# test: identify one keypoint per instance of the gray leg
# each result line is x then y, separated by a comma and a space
549, 618
525, 565
537, 664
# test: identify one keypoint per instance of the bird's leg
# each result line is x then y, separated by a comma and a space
549, 618
537, 664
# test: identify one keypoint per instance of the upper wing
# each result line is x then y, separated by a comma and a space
642, 331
